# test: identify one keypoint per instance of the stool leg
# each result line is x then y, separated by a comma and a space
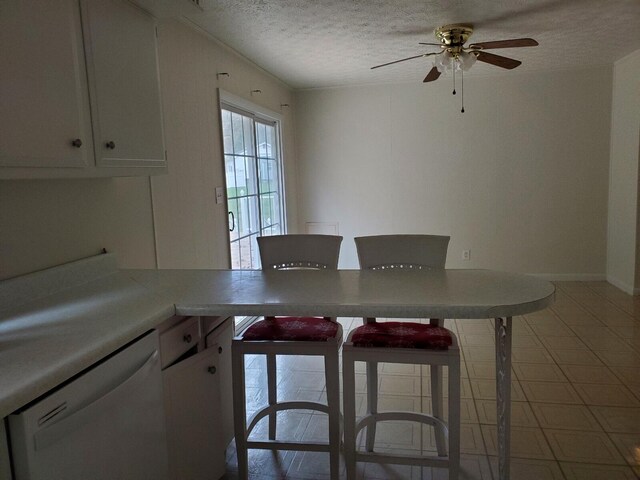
454, 418
372, 395
349, 398
272, 393
436, 402
332, 369
372, 402
239, 410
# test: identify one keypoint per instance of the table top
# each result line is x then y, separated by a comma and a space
390, 293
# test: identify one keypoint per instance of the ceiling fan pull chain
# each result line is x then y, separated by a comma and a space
462, 90
454, 77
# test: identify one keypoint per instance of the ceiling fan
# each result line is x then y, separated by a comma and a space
452, 39
455, 56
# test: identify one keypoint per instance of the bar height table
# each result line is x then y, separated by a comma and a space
395, 293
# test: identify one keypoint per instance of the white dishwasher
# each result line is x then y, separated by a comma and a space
107, 423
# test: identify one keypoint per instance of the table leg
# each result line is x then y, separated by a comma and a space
503, 394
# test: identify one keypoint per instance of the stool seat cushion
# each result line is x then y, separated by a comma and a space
402, 335
297, 329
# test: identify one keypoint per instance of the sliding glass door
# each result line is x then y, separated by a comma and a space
254, 183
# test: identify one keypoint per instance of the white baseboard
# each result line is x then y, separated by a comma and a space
587, 277
625, 287
572, 277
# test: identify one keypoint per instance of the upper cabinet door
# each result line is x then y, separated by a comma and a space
122, 66
44, 108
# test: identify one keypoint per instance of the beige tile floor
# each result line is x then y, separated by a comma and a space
575, 398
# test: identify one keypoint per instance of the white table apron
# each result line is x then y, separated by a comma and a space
450, 294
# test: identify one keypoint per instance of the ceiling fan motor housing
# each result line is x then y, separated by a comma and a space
454, 36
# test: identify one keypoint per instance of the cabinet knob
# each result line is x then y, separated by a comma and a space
76, 143
110, 145
187, 338
219, 349
212, 370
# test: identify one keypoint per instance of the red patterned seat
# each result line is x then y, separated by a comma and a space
298, 329
402, 335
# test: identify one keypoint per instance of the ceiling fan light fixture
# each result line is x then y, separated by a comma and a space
447, 62
443, 62
467, 60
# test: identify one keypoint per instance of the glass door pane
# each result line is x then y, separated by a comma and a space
269, 174
254, 187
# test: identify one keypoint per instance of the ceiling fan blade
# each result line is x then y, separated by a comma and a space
432, 75
498, 60
424, 43
398, 61
516, 42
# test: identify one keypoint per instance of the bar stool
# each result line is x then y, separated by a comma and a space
290, 336
402, 342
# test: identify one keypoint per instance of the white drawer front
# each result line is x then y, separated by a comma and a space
179, 339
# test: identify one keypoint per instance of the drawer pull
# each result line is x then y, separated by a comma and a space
212, 370
219, 349
187, 338
110, 145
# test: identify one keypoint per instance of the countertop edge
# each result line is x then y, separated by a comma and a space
71, 366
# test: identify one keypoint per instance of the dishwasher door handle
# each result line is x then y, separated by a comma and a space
85, 413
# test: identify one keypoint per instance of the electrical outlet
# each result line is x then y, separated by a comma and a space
466, 255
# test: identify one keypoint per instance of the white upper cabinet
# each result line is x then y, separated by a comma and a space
122, 66
79, 90
44, 105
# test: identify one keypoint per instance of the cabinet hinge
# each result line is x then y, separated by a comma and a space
165, 156
156, 32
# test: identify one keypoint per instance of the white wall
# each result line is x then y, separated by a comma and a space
47, 222
623, 261
520, 179
191, 228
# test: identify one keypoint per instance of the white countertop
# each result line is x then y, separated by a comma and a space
56, 323
57, 334
401, 294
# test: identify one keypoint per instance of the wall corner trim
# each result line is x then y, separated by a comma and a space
625, 287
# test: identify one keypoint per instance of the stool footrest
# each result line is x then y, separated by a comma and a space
402, 416
374, 457
289, 445
277, 407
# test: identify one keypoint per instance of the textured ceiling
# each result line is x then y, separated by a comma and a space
327, 43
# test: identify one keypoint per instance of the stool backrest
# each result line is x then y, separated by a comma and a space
299, 251
380, 252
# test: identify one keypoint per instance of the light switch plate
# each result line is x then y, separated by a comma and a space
219, 195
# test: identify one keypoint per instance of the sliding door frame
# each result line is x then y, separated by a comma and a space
259, 114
